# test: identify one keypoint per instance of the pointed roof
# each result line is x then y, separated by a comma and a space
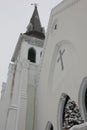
34, 28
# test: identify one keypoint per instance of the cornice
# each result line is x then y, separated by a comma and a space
63, 6
33, 40
30, 40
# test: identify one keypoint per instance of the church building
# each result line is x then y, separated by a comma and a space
46, 87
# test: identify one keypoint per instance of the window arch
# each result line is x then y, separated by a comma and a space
86, 99
49, 126
40, 53
32, 55
83, 98
61, 110
68, 113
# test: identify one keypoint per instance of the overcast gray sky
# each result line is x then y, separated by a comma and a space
14, 18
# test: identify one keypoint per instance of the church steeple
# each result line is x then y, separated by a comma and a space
34, 28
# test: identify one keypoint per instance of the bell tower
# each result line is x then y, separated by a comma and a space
36, 31
18, 104
33, 37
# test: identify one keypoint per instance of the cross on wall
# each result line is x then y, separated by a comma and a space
61, 58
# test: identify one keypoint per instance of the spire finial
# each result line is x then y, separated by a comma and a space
34, 28
34, 4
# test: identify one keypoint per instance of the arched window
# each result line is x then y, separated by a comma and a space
61, 110
72, 115
40, 53
55, 27
68, 113
49, 126
83, 98
32, 55
86, 99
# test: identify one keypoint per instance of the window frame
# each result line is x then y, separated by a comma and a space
34, 52
49, 125
61, 107
81, 98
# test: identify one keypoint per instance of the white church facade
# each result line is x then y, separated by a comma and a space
46, 87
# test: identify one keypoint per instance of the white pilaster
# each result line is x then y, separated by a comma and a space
5, 102
12, 111
21, 115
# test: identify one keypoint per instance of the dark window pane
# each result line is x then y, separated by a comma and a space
49, 126
32, 55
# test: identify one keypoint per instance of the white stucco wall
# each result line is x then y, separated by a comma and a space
71, 19
25, 48
5, 102
17, 106
3, 89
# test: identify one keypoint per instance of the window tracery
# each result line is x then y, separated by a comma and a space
83, 98
68, 113
72, 115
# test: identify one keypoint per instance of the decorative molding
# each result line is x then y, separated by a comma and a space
60, 112
63, 6
33, 41
13, 107
81, 98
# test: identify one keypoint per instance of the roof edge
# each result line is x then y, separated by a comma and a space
63, 5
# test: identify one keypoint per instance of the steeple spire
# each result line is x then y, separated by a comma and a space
34, 28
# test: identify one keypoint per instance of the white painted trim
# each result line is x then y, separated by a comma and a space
81, 98
63, 6
14, 107
48, 126
61, 106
